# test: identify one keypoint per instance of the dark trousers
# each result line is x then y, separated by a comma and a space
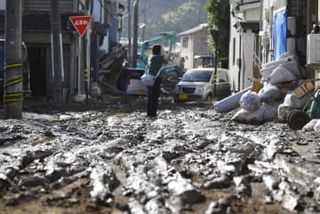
153, 97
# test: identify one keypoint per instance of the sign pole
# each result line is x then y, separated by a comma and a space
81, 23
88, 51
79, 97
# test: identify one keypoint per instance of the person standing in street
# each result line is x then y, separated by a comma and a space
154, 65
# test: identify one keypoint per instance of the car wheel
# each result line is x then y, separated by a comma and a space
176, 99
209, 97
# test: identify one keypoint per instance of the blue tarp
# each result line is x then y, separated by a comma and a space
280, 32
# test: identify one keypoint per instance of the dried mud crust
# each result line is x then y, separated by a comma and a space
113, 159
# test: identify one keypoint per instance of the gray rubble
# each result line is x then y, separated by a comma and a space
189, 158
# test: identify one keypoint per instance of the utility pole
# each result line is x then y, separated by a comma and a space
56, 52
129, 33
88, 51
13, 88
144, 20
214, 34
135, 33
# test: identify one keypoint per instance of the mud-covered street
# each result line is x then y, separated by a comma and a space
189, 159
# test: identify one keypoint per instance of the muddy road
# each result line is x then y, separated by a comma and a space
189, 159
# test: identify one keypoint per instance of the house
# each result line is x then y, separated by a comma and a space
313, 39
262, 31
286, 27
36, 35
244, 48
104, 33
278, 32
194, 42
76, 52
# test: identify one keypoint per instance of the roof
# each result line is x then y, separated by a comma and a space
194, 30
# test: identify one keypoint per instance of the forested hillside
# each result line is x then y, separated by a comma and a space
175, 15
170, 15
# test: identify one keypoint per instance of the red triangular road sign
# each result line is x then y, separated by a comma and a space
80, 23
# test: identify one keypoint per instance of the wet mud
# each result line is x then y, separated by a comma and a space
189, 159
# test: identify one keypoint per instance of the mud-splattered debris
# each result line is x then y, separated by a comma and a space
218, 183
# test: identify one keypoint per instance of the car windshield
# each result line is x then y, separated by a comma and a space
197, 76
172, 71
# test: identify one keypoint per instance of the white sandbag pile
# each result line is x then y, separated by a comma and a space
263, 106
313, 125
291, 102
281, 74
288, 61
229, 103
271, 94
250, 101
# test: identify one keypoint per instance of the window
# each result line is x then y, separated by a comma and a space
197, 76
185, 42
222, 76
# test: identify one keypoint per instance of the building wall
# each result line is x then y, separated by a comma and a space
187, 50
248, 44
235, 46
201, 43
2, 4
242, 44
252, 13
194, 44
37, 37
44, 5
269, 6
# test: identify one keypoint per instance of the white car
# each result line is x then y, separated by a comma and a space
130, 80
198, 85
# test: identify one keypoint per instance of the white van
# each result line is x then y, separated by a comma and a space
199, 85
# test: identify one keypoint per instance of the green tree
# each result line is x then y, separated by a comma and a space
219, 22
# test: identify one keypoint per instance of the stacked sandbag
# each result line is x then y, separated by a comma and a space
263, 106
288, 61
281, 74
250, 101
313, 125
271, 94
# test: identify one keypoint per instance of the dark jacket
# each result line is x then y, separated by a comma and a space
155, 63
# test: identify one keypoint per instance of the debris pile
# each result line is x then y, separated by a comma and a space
283, 93
187, 160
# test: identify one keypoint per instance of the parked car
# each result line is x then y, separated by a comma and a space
198, 85
130, 80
